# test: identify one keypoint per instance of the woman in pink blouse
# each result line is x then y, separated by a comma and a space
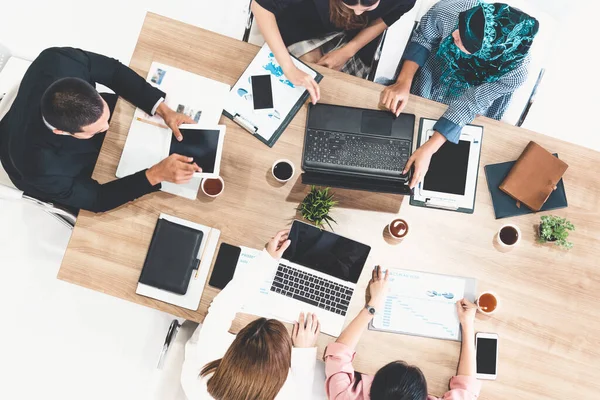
396, 380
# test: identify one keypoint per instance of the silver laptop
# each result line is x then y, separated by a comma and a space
318, 274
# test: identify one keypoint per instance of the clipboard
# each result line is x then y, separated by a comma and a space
286, 96
442, 204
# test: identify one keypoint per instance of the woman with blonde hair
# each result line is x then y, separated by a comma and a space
359, 22
262, 361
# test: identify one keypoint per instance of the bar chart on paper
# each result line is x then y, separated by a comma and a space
423, 304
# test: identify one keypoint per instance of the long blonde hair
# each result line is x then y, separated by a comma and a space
255, 366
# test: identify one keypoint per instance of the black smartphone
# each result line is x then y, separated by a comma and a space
224, 267
262, 92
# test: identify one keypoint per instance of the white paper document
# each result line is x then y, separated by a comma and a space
258, 303
285, 93
200, 98
423, 304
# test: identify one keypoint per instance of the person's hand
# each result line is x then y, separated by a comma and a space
278, 244
378, 288
466, 312
306, 331
173, 119
336, 59
301, 78
175, 168
421, 159
395, 97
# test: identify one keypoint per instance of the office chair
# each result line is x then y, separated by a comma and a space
5, 54
8, 193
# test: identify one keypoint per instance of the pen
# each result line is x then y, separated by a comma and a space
152, 123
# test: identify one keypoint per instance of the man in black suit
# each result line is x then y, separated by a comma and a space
51, 136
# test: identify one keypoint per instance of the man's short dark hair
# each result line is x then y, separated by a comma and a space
399, 381
69, 104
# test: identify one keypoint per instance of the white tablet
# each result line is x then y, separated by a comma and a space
451, 180
204, 144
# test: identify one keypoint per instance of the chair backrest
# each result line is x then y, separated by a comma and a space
4, 56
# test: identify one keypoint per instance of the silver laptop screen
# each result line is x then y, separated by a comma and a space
326, 252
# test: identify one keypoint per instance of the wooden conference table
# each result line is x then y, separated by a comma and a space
549, 320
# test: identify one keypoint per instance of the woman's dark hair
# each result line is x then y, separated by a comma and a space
399, 381
69, 104
344, 18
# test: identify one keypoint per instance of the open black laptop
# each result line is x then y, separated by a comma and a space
356, 148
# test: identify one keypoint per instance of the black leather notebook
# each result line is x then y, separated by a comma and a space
172, 257
504, 205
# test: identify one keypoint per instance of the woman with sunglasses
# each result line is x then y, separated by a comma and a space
358, 23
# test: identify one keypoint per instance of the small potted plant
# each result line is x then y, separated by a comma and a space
316, 207
555, 229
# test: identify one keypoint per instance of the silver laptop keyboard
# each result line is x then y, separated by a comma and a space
311, 289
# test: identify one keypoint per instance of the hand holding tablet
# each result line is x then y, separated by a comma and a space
204, 145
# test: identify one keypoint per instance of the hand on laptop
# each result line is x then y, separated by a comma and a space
378, 288
175, 169
395, 97
173, 119
278, 244
306, 331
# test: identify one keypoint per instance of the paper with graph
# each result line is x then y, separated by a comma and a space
423, 304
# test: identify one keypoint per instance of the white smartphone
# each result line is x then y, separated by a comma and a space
486, 345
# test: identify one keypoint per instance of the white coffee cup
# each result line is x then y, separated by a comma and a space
505, 236
291, 164
486, 312
209, 179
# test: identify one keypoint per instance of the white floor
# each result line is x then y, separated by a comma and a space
63, 341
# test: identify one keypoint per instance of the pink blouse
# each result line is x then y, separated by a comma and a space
340, 384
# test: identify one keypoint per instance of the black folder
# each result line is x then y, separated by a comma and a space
504, 205
172, 257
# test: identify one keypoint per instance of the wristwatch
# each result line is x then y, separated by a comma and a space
370, 309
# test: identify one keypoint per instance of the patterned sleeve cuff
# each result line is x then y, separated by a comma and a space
449, 129
416, 52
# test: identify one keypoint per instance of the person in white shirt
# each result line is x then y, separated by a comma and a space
262, 361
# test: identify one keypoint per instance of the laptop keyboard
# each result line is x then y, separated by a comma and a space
311, 289
353, 152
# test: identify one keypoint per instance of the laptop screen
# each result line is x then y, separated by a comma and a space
326, 252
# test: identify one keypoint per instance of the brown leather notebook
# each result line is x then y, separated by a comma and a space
534, 176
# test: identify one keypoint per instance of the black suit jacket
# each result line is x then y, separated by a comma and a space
59, 168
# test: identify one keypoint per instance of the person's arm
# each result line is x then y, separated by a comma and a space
304, 354
340, 383
336, 59
88, 194
476, 100
465, 385
462, 111
428, 34
267, 24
